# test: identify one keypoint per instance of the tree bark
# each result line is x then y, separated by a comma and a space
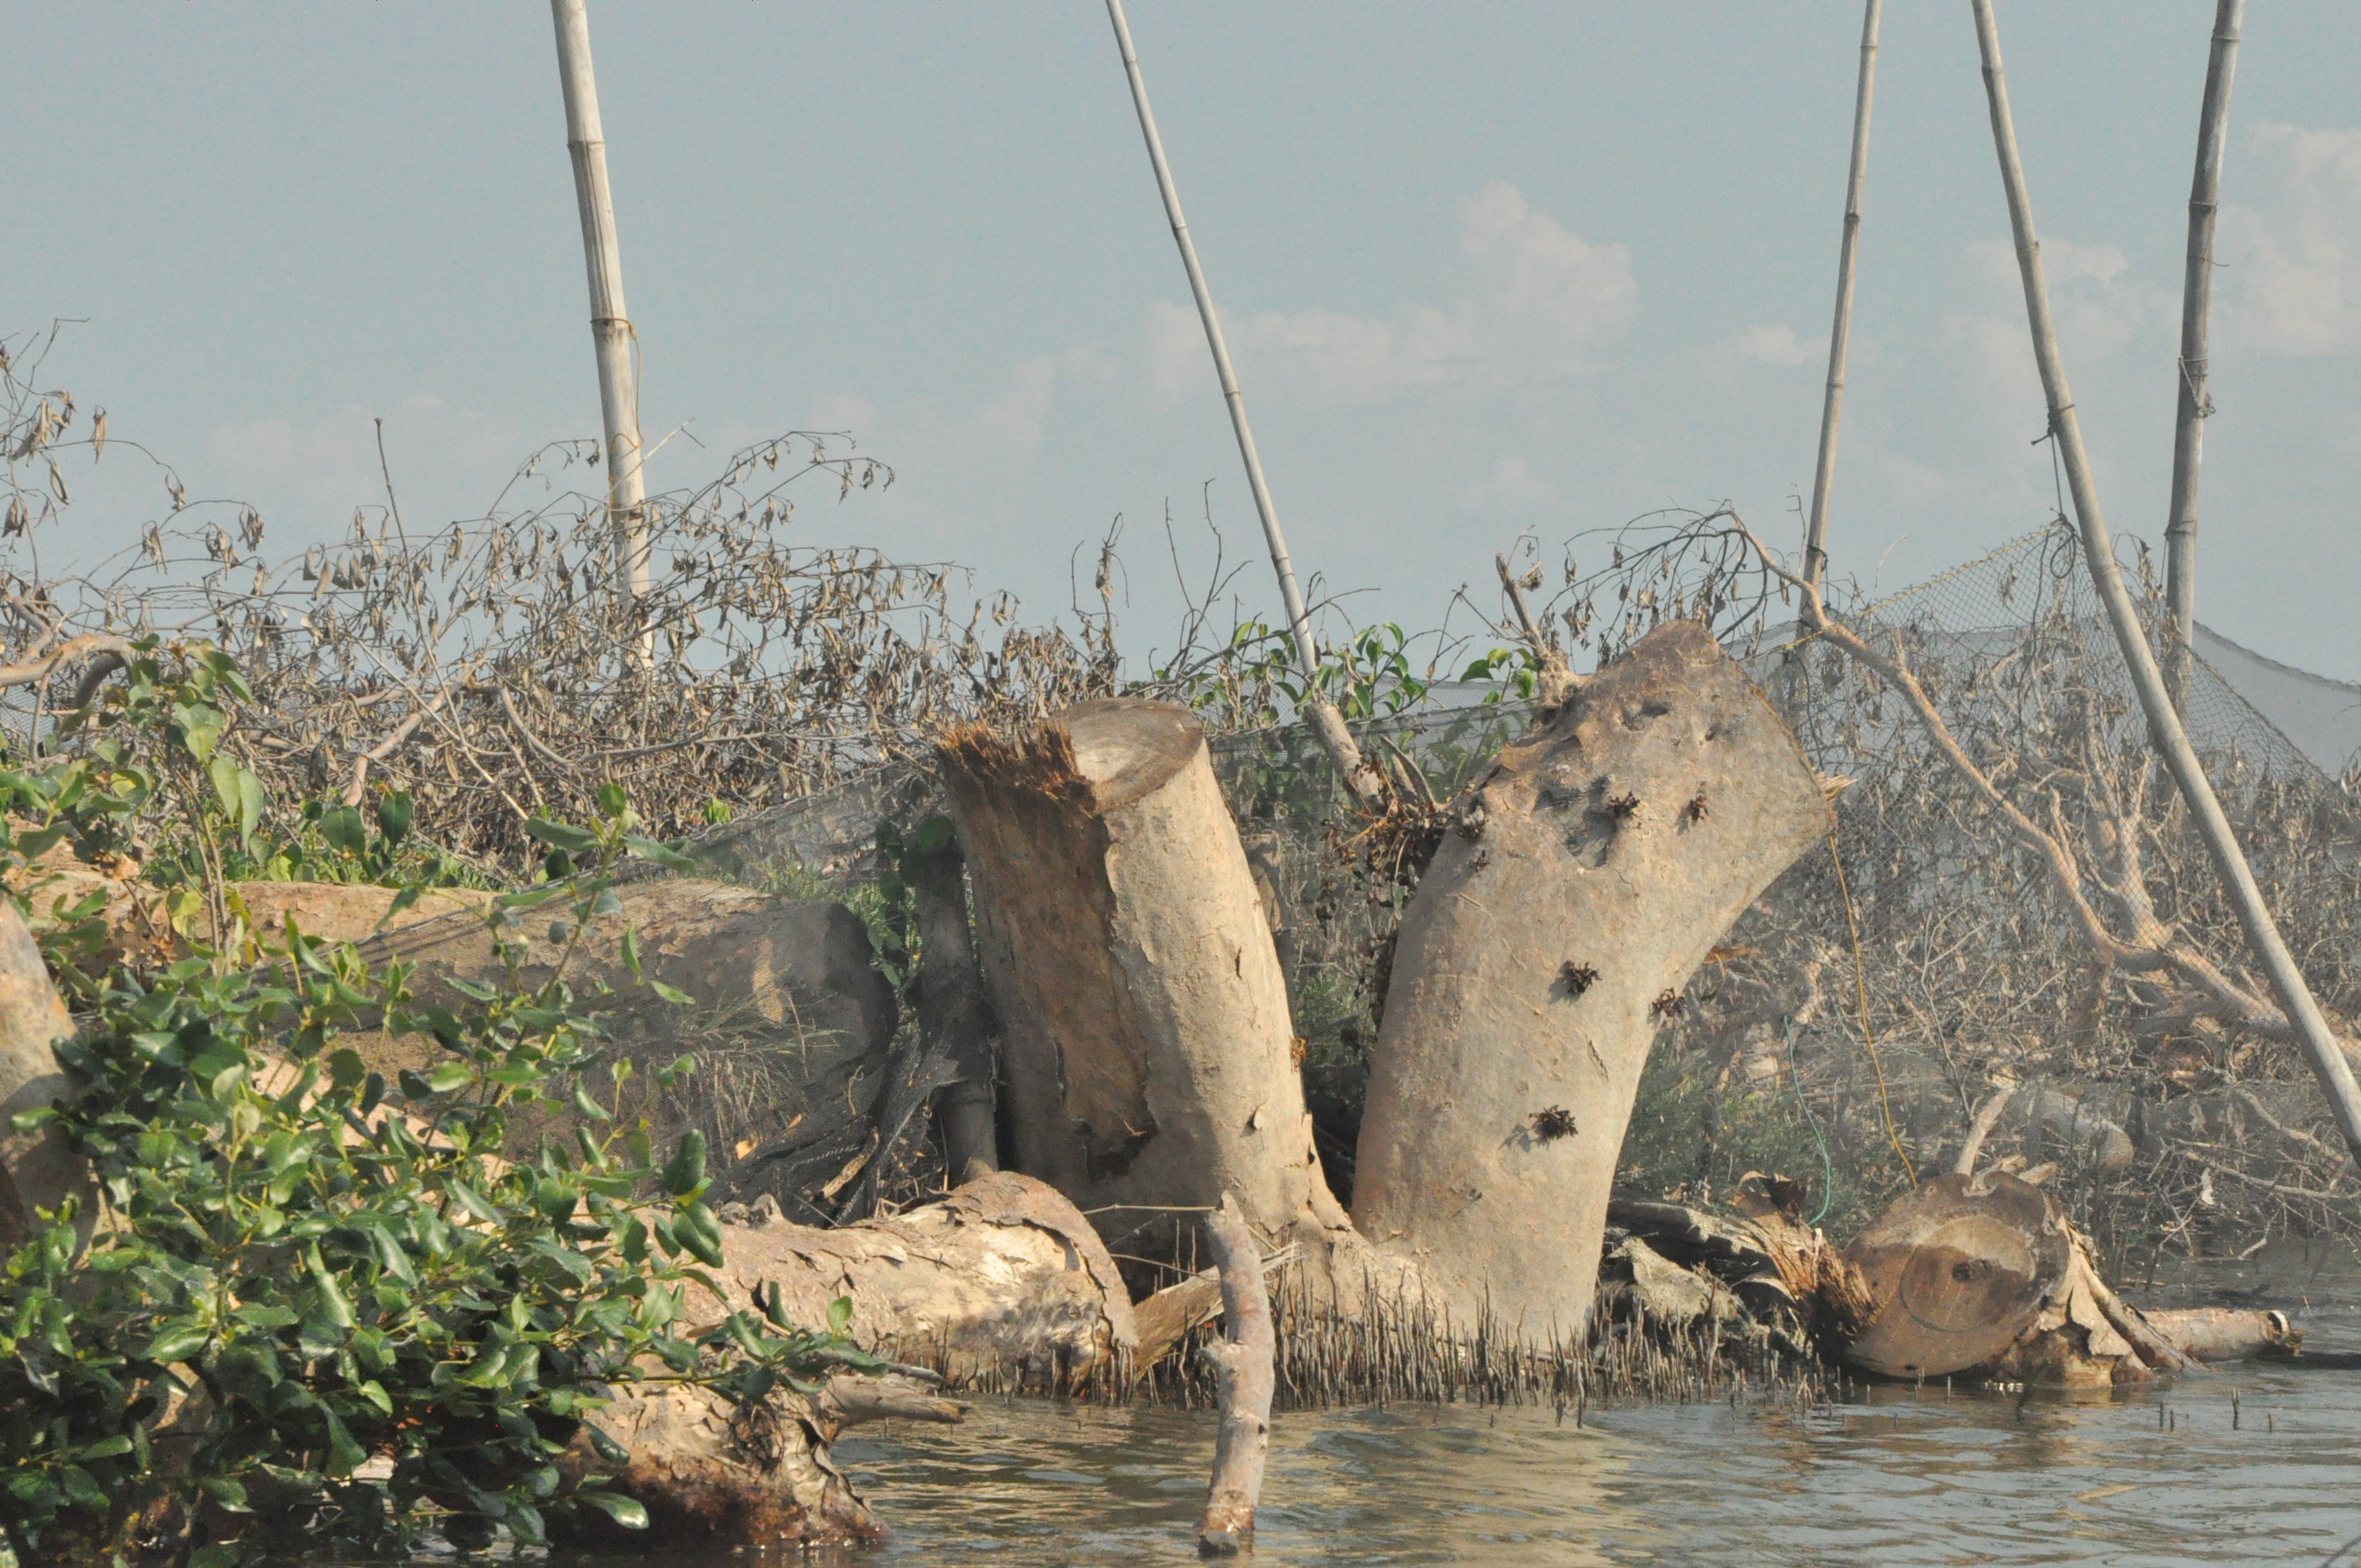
954, 1017
38, 1170
1592, 869
1145, 1039
1245, 1369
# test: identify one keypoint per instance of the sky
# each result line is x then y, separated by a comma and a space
1489, 271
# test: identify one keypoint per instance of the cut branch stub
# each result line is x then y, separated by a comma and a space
1145, 1042
1585, 849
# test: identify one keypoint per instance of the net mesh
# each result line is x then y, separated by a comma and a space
1855, 1019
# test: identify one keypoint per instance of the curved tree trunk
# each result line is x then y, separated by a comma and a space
1145, 1039
1592, 869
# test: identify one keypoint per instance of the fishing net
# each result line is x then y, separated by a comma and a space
1855, 1019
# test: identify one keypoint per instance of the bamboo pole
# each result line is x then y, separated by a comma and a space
2196, 300
2320, 1046
1366, 783
610, 326
1816, 532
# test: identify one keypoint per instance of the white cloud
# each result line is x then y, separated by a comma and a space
444, 460
2294, 257
2098, 303
1511, 486
1777, 346
1001, 434
1545, 299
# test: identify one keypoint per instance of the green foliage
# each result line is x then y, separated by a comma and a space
299, 1268
1254, 683
906, 862
148, 771
1514, 672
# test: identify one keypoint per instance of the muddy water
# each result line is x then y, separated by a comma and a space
2159, 1478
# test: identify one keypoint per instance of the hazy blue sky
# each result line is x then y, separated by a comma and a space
1490, 269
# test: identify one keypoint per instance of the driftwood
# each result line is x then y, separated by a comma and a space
1785, 1273
1244, 1372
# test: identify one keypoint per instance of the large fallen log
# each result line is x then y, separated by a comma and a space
790, 1022
38, 1171
1002, 1282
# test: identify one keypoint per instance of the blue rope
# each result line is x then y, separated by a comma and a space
1828, 1170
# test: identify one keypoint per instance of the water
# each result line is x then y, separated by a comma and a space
2154, 1477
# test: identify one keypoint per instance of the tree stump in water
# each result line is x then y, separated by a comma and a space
1146, 1040
1592, 869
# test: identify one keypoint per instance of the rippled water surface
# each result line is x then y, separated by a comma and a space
2152, 1478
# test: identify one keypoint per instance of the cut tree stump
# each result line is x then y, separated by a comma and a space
1960, 1268
1982, 1277
1145, 1042
1591, 871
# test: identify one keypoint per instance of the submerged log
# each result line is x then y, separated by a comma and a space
1591, 871
2229, 1333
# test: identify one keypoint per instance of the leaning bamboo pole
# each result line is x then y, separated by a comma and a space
2320, 1046
1816, 531
1366, 783
2196, 300
610, 325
